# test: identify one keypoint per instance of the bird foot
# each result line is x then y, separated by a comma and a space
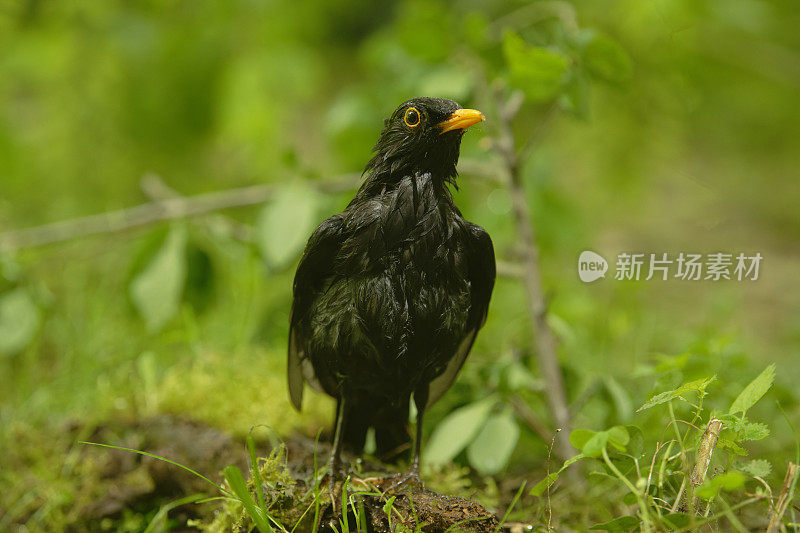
335, 479
409, 479
336, 475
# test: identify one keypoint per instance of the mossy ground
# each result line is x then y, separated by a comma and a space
67, 485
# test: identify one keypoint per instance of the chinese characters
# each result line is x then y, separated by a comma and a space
689, 267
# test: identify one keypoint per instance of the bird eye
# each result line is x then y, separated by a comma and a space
412, 117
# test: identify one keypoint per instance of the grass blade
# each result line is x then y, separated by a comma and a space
345, 525
251, 447
237, 483
511, 507
140, 452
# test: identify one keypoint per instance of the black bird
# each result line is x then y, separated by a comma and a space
391, 292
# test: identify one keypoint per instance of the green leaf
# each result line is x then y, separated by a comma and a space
591, 443
538, 71
235, 479
754, 391
540, 487
727, 482
551, 478
618, 437
156, 291
756, 467
579, 437
630, 498
285, 223
606, 60
594, 446
387, 507
493, 445
636, 445
20, 319
623, 523
575, 98
698, 385
677, 520
753, 431
456, 431
730, 445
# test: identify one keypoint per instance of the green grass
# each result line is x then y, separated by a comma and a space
651, 479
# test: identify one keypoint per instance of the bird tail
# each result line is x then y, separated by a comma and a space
392, 438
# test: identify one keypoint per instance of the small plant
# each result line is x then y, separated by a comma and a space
673, 488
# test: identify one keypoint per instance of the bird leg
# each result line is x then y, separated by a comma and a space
335, 462
335, 473
411, 476
413, 471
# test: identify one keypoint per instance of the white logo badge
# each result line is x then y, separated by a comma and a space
591, 266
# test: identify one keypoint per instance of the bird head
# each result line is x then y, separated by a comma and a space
422, 135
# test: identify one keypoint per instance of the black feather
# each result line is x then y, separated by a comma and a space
395, 287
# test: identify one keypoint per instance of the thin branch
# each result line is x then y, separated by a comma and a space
707, 444
505, 146
151, 213
510, 269
704, 452
483, 169
156, 189
786, 496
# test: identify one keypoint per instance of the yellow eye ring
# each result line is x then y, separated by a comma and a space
412, 118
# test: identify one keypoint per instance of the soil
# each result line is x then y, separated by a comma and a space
134, 481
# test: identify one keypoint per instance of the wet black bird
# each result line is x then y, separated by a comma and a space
391, 292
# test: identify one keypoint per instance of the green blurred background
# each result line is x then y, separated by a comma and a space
680, 134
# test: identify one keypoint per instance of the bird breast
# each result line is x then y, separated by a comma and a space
401, 295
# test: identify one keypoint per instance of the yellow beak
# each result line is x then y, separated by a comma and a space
461, 119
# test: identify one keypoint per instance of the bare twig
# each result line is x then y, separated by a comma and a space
549, 504
484, 169
707, 444
704, 452
544, 338
156, 189
786, 496
151, 213
510, 269
680, 501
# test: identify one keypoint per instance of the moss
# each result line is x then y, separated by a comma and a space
292, 499
286, 498
251, 389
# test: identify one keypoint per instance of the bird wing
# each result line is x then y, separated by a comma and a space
481, 264
315, 268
